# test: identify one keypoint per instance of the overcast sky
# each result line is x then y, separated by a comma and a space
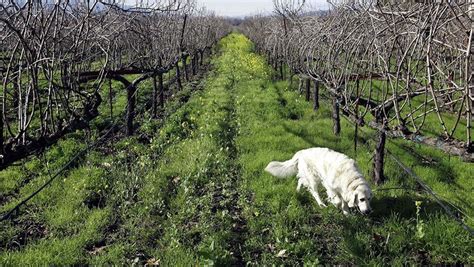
247, 7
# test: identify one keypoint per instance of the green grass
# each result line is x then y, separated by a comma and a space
194, 191
274, 123
71, 219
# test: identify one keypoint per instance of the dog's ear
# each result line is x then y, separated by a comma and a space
353, 200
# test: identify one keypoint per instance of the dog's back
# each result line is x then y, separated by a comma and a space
325, 159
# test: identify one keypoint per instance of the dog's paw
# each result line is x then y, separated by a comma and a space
322, 205
345, 212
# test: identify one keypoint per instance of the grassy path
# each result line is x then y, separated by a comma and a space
196, 192
204, 223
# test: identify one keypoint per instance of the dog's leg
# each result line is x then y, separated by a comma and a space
314, 191
334, 198
309, 181
302, 175
345, 208
300, 184
318, 199
337, 202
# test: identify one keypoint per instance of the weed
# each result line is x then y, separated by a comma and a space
420, 232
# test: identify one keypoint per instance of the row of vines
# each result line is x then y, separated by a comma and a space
403, 69
56, 57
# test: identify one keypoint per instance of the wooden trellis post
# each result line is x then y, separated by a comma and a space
161, 91
378, 176
336, 117
316, 95
308, 89
178, 76
131, 89
184, 61
154, 99
282, 73
2, 141
470, 79
111, 104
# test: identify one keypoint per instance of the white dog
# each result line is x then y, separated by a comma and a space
344, 183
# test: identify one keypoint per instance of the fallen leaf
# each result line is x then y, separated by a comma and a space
152, 262
176, 179
271, 247
106, 165
282, 254
97, 250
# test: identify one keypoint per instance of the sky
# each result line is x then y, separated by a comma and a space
239, 8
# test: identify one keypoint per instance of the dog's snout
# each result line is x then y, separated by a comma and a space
365, 211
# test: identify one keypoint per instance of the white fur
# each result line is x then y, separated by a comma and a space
339, 174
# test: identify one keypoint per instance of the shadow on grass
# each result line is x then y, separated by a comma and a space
445, 173
288, 109
309, 137
364, 241
402, 206
390, 231
385, 207
468, 205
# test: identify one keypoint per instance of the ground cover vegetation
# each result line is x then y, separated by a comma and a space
168, 167
142, 204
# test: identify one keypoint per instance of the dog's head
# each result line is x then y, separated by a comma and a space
360, 198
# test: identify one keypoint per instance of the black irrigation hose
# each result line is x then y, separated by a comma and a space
66, 166
432, 193
418, 191
418, 180
70, 162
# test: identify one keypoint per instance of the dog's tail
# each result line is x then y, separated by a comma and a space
283, 169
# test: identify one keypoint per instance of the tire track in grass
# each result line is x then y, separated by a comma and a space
204, 224
227, 141
140, 213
